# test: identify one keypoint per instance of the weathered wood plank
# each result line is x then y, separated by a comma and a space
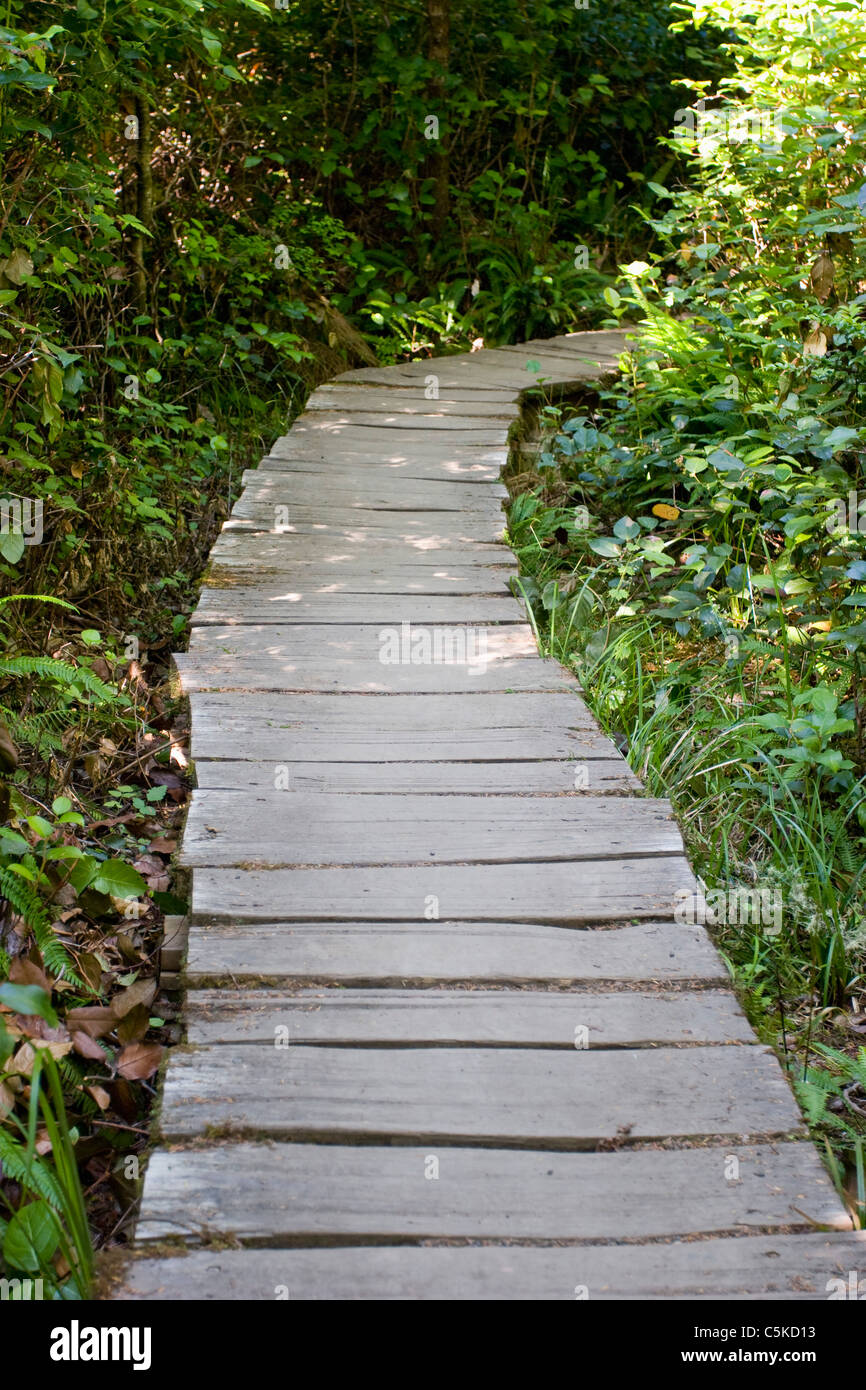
353, 553
291, 605
596, 344
562, 893
317, 578
503, 1096
595, 776
330, 420
536, 362
361, 434
412, 386
387, 402
485, 522
276, 829
408, 527
478, 466
275, 553
385, 488
790, 1267
334, 658
498, 368
480, 726
383, 446
381, 953
268, 1193
483, 1018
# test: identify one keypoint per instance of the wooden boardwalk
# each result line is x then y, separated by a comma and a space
446, 1037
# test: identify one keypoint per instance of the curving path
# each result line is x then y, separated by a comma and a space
446, 1039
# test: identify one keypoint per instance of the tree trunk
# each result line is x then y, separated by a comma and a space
144, 203
438, 53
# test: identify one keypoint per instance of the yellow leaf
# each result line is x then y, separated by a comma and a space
665, 511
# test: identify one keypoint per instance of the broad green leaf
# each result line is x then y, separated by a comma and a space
605, 546
28, 1000
117, 879
31, 1238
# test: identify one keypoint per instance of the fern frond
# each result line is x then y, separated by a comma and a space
61, 671
29, 906
40, 729
37, 598
73, 1076
36, 1176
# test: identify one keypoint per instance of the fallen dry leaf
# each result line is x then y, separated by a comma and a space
93, 1019
161, 845
24, 1058
142, 992
139, 1060
88, 1047
134, 1024
100, 1095
27, 972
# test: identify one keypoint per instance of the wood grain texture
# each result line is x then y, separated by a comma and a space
282, 828
384, 487
477, 727
482, 1018
338, 657
388, 404
468, 465
564, 893
491, 424
499, 1096
291, 1192
424, 528
289, 604
354, 550
790, 1267
598, 777
374, 954
351, 577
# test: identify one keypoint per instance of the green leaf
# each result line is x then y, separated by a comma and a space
32, 1237
118, 879
12, 546
839, 438
605, 546
17, 267
28, 1000
625, 529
